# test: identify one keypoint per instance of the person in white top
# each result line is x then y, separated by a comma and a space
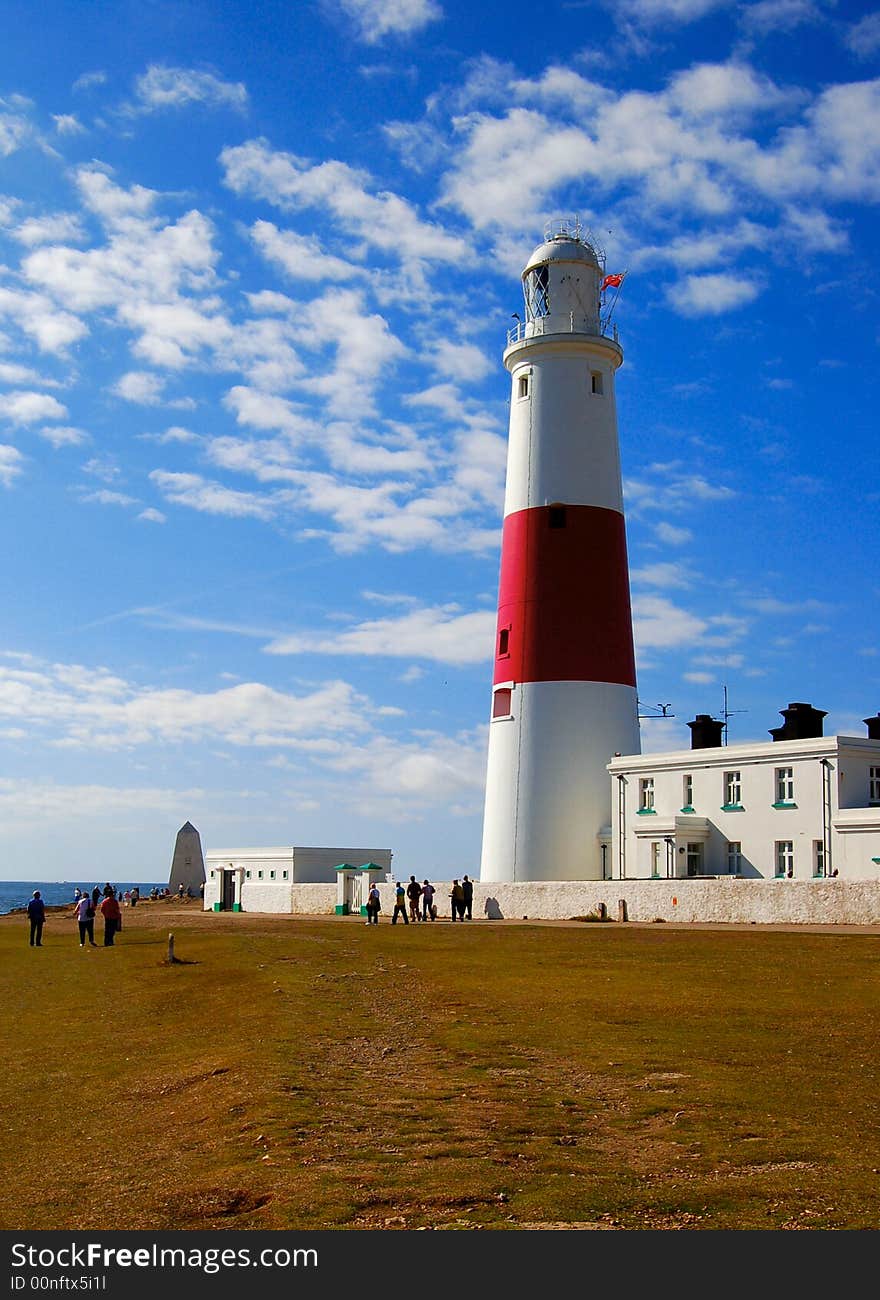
82, 910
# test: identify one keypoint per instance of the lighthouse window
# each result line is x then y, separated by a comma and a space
557, 516
504, 641
522, 386
501, 702
596, 382
537, 294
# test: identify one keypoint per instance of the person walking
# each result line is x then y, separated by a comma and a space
414, 894
96, 895
468, 890
36, 910
85, 915
374, 905
399, 904
428, 908
456, 899
112, 918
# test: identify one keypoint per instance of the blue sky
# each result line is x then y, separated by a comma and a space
256, 270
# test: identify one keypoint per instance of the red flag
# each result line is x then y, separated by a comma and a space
614, 281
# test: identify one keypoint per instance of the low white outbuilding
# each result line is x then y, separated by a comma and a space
263, 880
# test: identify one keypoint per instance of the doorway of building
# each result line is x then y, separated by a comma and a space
228, 899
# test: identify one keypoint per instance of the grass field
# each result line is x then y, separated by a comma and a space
307, 1073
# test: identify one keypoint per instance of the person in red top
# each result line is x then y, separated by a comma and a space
112, 916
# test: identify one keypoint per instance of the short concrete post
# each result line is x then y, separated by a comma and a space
601, 911
171, 947
621, 910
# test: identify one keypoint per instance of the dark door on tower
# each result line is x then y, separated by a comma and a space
228, 890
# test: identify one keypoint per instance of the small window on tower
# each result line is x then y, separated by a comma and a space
501, 702
596, 382
522, 386
504, 641
557, 516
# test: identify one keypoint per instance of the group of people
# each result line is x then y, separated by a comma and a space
415, 902
87, 906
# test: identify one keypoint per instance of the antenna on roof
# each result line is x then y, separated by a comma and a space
728, 713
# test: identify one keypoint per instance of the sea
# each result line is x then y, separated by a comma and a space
18, 893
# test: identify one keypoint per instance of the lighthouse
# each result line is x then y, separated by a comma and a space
564, 688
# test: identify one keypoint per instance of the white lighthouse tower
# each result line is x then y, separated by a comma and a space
564, 694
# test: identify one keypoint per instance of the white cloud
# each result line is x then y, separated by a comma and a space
406, 776
37, 316
863, 38
90, 79
440, 634
62, 435
673, 535
376, 19
163, 87
45, 230
15, 130
301, 256
662, 574
24, 802
67, 124
140, 386
106, 497
725, 89
383, 221
88, 707
210, 498
660, 624
711, 295
11, 464
465, 361
174, 433
13, 373
655, 12
779, 15
152, 516
28, 408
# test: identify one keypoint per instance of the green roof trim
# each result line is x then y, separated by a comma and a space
345, 866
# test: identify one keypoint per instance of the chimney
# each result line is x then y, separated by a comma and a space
802, 722
873, 725
705, 732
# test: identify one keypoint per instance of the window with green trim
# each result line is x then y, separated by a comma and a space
784, 858
785, 785
732, 789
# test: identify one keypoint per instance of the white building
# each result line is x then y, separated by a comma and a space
267, 880
787, 809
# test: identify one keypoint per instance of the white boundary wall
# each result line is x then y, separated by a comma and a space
735, 901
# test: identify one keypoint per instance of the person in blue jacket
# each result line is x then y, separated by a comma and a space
36, 910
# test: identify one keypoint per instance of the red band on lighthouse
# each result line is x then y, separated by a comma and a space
563, 604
